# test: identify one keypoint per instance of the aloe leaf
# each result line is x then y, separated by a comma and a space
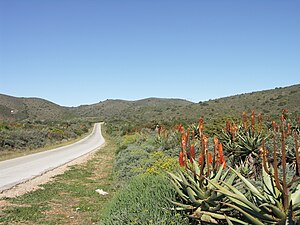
289, 219
177, 183
296, 213
207, 218
237, 199
184, 181
220, 216
247, 206
184, 206
196, 168
295, 197
174, 177
269, 187
191, 195
296, 206
219, 173
182, 195
231, 178
278, 212
197, 190
251, 187
235, 190
253, 220
228, 220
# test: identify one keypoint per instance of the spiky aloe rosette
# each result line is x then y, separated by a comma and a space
242, 141
278, 199
212, 194
197, 196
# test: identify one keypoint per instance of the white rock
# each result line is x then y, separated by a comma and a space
101, 192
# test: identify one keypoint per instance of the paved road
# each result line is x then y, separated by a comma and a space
18, 170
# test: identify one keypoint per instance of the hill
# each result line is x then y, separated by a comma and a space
269, 102
146, 109
13, 108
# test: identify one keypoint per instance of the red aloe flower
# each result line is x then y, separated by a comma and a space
234, 131
252, 120
228, 126
221, 155
200, 159
259, 122
216, 145
180, 128
288, 128
210, 159
223, 162
181, 159
201, 122
192, 152
220, 149
184, 142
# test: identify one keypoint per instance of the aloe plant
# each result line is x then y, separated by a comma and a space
261, 206
277, 201
242, 143
197, 196
207, 191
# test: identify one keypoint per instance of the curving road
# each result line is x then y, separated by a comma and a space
18, 170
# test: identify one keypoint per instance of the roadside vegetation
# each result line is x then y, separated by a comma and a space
227, 167
19, 138
247, 173
142, 159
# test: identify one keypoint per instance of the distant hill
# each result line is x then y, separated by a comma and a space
269, 102
13, 108
146, 109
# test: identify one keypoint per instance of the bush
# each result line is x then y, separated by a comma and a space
159, 163
143, 201
32, 135
145, 152
128, 162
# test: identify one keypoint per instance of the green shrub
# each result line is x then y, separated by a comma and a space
32, 135
128, 162
143, 201
159, 162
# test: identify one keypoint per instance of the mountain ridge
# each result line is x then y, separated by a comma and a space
270, 101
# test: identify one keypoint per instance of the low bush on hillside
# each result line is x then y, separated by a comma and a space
145, 151
29, 135
143, 201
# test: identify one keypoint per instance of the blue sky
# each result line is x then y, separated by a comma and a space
76, 52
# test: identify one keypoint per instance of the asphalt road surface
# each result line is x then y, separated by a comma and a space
18, 170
